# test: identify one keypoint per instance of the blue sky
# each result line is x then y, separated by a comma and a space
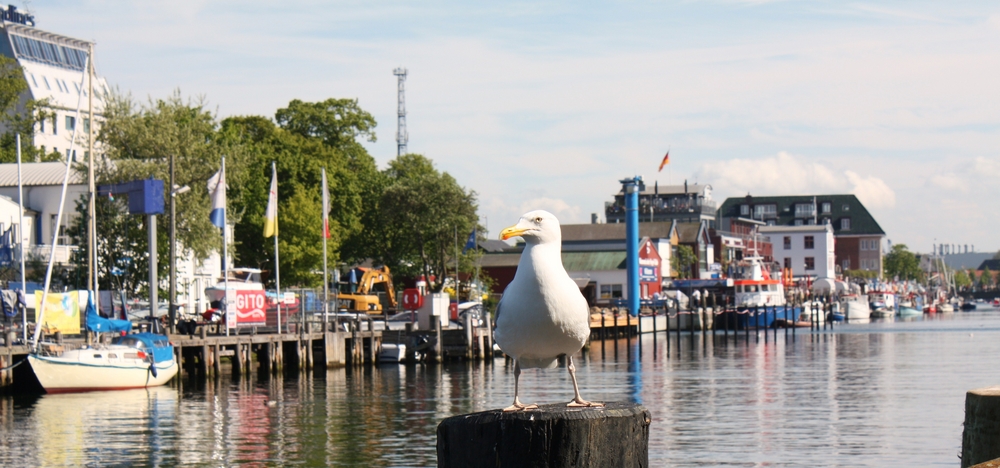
548, 104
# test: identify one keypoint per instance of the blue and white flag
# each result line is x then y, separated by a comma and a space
217, 191
471, 242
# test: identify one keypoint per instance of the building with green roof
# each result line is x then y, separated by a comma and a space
857, 235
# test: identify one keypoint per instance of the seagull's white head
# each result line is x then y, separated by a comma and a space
536, 227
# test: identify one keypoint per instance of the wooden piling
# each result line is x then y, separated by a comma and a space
551, 436
981, 436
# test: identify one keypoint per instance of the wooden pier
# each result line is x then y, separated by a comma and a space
355, 343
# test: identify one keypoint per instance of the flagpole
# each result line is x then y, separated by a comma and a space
277, 272
225, 253
20, 233
326, 281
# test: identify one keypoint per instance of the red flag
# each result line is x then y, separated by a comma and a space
666, 160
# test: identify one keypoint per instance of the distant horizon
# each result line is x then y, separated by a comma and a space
546, 105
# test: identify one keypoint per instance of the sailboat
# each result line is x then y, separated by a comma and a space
130, 360
134, 360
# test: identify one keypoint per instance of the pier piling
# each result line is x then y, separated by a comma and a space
551, 436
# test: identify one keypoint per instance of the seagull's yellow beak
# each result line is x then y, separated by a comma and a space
512, 231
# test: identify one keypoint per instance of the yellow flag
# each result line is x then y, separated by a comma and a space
271, 215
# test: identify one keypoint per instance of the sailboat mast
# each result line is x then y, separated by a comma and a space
20, 233
92, 205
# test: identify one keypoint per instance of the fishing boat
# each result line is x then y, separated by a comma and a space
855, 308
882, 304
132, 360
909, 312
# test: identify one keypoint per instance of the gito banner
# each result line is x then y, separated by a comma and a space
250, 306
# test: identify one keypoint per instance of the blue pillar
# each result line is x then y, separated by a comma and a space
632, 187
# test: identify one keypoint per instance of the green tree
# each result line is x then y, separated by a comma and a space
309, 137
986, 278
683, 262
19, 118
419, 214
901, 263
962, 279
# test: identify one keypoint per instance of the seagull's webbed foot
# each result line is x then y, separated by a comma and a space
518, 406
581, 403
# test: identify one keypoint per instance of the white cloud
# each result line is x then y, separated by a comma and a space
871, 190
564, 211
986, 168
785, 174
949, 181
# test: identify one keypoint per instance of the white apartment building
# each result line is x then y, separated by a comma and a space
807, 250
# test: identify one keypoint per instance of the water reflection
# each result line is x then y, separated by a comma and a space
885, 393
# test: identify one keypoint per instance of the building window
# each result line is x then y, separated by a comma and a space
86, 125
55, 124
811, 222
810, 263
805, 210
611, 291
846, 264
46, 81
826, 207
770, 222
744, 210
845, 224
809, 242
788, 262
41, 126
847, 207
33, 80
788, 242
826, 221
762, 211
70, 122
63, 238
798, 222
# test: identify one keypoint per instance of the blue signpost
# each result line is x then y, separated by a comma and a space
632, 187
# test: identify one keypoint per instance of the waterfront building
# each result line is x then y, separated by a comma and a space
858, 236
55, 70
806, 251
681, 203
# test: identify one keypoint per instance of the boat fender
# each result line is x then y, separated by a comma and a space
152, 369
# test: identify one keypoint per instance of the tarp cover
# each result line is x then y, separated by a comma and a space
96, 323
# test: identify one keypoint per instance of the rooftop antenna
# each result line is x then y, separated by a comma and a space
401, 136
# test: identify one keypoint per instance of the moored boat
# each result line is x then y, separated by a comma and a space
909, 312
132, 361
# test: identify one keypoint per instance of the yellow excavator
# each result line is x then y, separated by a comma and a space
370, 292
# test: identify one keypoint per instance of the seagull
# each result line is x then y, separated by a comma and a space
542, 314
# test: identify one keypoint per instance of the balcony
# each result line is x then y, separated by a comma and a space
805, 211
670, 209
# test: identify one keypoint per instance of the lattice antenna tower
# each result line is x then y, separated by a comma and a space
401, 135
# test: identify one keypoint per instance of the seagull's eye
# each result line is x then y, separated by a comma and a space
538, 219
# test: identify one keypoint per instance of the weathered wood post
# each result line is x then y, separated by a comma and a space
981, 436
552, 436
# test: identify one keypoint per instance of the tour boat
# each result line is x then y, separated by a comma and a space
240, 279
759, 297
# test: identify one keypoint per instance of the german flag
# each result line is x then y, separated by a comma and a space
666, 160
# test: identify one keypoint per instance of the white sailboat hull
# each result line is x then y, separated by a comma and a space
81, 371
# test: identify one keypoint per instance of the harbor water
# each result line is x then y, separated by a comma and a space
863, 394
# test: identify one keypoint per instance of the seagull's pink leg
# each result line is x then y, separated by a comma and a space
577, 399
517, 406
